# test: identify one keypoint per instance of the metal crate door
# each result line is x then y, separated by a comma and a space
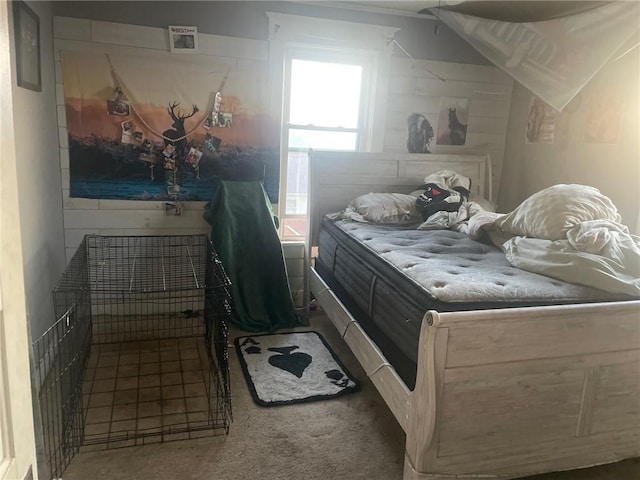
217, 313
60, 357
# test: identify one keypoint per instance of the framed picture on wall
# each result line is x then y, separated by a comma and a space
183, 39
452, 121
27, 40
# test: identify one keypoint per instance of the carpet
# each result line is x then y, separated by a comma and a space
285, 368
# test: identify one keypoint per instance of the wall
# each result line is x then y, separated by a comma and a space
39, 194
31, 246
415, 87
248, 19
614, 169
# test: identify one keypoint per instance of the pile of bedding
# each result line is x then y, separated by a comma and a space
443, 202
570, 232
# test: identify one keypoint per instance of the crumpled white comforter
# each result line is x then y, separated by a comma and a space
600, 253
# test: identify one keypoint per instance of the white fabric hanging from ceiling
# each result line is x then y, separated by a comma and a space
553, 58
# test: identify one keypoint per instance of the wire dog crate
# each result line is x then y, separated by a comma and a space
138, 351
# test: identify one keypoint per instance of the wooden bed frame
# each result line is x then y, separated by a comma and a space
500, 393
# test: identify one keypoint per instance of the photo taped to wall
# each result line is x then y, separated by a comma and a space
183, 39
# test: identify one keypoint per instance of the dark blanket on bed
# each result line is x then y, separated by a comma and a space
245, 237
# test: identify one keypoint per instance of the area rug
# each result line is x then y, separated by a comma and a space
285, 368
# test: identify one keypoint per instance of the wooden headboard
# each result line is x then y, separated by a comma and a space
336, 178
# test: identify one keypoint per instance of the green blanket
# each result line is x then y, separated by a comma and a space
245, 237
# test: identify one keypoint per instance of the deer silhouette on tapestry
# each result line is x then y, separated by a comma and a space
175, 136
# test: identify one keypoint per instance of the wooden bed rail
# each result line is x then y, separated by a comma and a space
384, 377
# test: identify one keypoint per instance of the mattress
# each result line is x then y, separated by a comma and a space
388, 277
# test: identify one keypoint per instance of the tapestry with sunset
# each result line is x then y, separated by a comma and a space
166, 127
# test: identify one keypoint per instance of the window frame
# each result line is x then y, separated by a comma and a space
363, 130
290, 33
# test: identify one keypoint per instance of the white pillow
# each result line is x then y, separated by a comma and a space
383, 208
551, 212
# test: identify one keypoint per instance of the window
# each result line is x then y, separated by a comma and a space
322, 75
325, 108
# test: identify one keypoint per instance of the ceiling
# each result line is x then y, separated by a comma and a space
509, 11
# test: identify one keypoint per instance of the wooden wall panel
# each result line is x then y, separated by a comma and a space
418, 87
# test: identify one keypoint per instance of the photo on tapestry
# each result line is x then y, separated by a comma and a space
453, 118
140, 129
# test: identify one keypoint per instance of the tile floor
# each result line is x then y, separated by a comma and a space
147, 392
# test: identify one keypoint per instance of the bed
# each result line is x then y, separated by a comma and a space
481, 389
